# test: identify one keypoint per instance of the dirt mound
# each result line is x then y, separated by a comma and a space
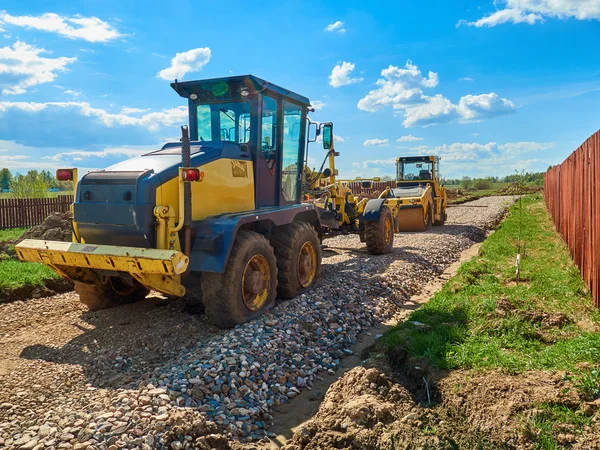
367, 410
56, 227
519, 189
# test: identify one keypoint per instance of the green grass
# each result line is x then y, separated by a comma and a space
482, 319
8, 235
15, 274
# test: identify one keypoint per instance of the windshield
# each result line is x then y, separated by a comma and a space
414, 171
224, 122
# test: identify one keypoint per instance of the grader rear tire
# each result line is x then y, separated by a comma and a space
379, 235
248, 286
109, 295
298, 252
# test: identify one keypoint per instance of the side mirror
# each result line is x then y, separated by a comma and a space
327, 136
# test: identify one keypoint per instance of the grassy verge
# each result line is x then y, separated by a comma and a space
16, 274
483, 319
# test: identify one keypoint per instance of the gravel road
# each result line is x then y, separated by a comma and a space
150, 375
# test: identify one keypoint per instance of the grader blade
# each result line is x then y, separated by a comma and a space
411, 219
154, 268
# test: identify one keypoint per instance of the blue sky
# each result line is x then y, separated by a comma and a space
491, 87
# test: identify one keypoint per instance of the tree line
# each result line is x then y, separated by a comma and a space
528, 178
34, 184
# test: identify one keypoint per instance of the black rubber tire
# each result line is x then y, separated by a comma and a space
102, 296
287, 242
222, 292
439, 223
375, 234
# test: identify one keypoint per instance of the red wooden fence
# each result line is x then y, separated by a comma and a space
572, 193
376, 187
27, 212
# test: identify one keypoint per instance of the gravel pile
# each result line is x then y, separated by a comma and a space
227, 384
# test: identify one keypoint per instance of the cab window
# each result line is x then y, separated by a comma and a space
269, 131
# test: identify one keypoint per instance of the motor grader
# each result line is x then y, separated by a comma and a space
422, 197
219, 213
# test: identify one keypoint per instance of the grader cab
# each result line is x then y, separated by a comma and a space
219, 213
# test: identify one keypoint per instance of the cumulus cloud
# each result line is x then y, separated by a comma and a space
376, 142
485, 159
533, 11
78, 155
151, 121
91, 29
318, 105
409, 138
22, 67
340, 75
337, 26
126, 110
185, 62
402, 90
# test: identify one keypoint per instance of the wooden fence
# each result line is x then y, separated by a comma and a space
27, 212
572, 193
376, 187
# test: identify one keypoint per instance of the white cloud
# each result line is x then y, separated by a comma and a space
532, 11
517, 148
78, 155
190, 61
409, 138
466, 79
90, 29
22, 67
376, 142
402, 89
340, 75
476, 159
318, 105
126, 110
336, 26
398, 88
151, 121
72, 92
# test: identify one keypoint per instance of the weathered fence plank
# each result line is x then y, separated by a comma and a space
572, 193
27, 212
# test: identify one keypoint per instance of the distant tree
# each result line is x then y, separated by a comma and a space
5, 179
31, 185
386, 178
49, 178
466, 182
482, 184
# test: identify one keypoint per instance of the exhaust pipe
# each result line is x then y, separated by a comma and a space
186, 161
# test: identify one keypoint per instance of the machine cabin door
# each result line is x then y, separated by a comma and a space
267, 160
292, 155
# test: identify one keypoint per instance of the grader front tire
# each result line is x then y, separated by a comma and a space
379, 234
109, 295
248, 286
298, 253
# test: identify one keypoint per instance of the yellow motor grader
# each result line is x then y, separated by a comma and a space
422, 198
219, 213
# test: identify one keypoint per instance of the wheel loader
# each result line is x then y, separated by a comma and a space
422, 197
218, 215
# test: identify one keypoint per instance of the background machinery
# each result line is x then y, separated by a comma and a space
422, 197
342, 212
219, 213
